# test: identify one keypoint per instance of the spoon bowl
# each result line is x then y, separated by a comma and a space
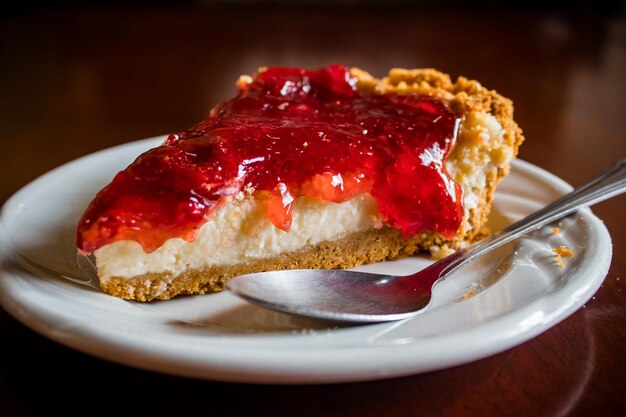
362, 297
339, 294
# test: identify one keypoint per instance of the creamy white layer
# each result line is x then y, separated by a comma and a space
240, 232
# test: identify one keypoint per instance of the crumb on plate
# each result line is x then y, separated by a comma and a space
469, 294
561, 252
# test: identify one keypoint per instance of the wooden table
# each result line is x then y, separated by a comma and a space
74, 81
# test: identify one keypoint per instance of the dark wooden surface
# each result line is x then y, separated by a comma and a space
73, 81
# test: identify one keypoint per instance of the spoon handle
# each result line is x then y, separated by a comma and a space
609, 184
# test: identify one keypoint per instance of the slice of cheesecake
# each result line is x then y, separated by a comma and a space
326, 168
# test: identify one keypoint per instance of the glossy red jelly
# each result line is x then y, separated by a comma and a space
290, 133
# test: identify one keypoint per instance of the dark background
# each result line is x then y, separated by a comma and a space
146, 68
78, 77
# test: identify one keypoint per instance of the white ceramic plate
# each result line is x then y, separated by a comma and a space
519, 293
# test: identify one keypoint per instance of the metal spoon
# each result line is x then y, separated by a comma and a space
369, 298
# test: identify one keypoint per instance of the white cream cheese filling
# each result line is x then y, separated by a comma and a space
241, 232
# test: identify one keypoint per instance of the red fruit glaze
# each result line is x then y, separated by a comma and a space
290, 133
